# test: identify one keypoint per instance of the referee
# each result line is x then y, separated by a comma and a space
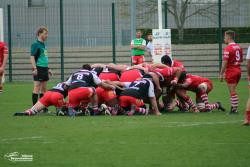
39, 62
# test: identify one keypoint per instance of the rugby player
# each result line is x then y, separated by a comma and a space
232, 58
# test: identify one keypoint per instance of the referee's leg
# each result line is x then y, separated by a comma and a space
36, 91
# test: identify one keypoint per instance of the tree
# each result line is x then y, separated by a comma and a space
181, 10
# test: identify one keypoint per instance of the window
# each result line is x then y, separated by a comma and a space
36, 3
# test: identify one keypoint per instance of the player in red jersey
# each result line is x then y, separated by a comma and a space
107, 99
232, 58
247, 118
81, 88
201, 86
172, 63
53, 97
3, 61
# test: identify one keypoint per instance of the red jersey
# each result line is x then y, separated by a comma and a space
3, 51
111, 76
131, 75
193, 81
166, 72
233, 53
177, 63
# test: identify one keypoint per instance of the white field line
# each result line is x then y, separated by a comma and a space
21, 138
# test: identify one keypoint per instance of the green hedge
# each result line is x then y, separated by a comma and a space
205, 35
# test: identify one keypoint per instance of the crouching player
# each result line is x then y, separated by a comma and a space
131, 99
201, 86
82, 88
53, 97
107, 99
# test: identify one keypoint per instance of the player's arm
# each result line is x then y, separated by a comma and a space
153, 102
156, 81
224, 64
68, 82
143, 46
120, 67
140, 67
5, 58
159, 65
184, 85
102, 84
177, 73
132, 45
98, 65
118, 86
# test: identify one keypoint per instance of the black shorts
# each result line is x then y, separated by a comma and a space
42, 74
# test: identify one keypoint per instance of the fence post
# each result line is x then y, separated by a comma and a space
113, 33
166, 13
61, 40
133, 21
220, 34
9, 43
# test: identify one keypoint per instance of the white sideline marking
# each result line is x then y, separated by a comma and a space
202, 123
22, 138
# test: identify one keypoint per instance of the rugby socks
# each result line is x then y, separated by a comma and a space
141, 110
191, 103
234, 102
34, 98
181, 106
208, 106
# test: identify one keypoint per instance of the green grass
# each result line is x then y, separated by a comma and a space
204, 139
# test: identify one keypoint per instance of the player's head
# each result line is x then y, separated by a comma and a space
148, 76
42, 33
138, 34
150, 37
183, 76
86, 67
229, 36
166, 60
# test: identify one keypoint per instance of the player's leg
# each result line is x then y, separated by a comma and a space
203, 88
43, 88
233, 98
232, 79
124, 103
134, 60
36, 91
140, 59
247, 117
1, 82
111, 102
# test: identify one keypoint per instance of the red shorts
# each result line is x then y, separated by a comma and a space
105, 95
79, 94
131, 75
209, 89
109, 76
137, 60
126, 101
233, 76
52, 98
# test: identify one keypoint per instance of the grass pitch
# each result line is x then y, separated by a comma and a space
174, 139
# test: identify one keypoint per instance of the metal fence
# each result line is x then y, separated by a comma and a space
81, 31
